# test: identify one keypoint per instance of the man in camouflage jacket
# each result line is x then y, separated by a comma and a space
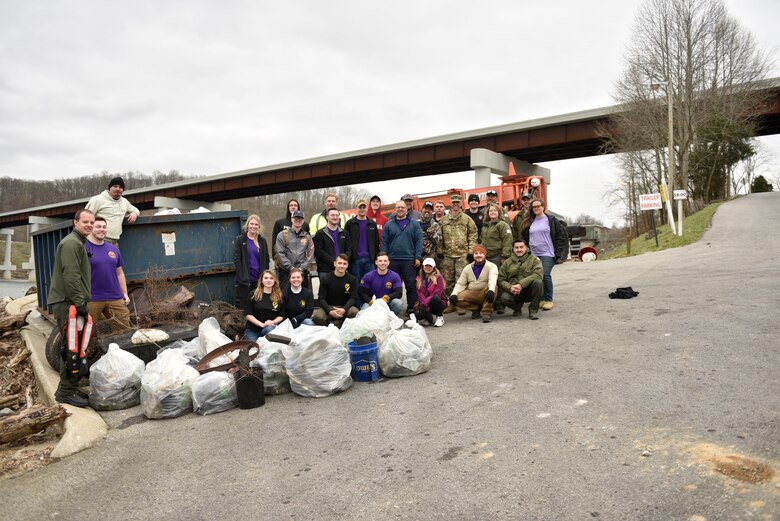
431, 231
458, 238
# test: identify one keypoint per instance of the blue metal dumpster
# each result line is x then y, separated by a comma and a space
194, 250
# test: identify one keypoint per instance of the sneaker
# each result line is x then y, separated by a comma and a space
532, 315
542, 303
71, 398
474, 315
487, 318
439, 322
548, 305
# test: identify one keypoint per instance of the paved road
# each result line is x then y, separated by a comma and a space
603, 409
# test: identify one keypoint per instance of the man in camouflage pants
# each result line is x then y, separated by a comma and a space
458, 238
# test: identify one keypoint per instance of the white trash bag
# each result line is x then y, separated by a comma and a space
115, 380
377, 320
405, 352
166, 386
214, 392
210, 337
317, 363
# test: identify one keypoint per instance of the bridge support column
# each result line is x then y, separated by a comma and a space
486, 162
7, 267
30, 265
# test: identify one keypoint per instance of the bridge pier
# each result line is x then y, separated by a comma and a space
7, 267
486, 162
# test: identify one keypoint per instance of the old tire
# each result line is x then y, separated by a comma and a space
54, 349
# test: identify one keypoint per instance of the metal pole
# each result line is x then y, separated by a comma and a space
679, 217
670, 153
655, 232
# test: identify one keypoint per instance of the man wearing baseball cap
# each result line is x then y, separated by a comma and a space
411, 213
111, 206
475, 290
475, 213
364, 236
458, 238
294, 249
491, 196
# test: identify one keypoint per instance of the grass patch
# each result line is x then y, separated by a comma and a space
20, 252
694, 227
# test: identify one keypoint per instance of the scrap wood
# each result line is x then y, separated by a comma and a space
12, 322
11, 399
19, 357
30, 421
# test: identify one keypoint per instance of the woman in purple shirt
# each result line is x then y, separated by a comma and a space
250, 257
546, 237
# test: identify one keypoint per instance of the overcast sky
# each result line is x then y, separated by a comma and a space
209, 87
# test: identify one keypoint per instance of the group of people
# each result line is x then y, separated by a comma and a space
474, 260
469, 259
88, 275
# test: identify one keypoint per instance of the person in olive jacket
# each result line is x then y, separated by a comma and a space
520, 280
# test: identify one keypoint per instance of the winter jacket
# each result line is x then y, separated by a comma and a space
406, 244
425, 294
520, 270
325, 249
294, 250
72, 273
458, 235
487, 278
558, 235
431, 236
113, 211
241, 258
281, 224
497, 238
372, 234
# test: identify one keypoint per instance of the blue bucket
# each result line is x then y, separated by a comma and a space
365, 362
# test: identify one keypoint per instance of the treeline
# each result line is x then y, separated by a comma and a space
16, 194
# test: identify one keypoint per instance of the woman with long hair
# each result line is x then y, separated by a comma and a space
250, 258
298, 300
430, 294
546, 237
265, 308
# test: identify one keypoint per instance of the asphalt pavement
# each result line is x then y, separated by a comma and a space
660, 407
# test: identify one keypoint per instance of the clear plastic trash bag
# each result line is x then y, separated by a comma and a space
166, 386
214, 392
405, 352
317, 363
115, 380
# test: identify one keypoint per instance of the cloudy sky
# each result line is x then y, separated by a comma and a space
209, 87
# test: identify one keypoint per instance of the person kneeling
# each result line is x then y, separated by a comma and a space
338, 291
475, 290
520, 280
264, 308
298, 300
430, 294
382, 283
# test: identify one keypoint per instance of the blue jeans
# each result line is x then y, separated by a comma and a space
408, 274
396, 306
252, 335
547, 264
358, 268
306, 322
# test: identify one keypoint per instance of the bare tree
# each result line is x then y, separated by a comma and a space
712, 68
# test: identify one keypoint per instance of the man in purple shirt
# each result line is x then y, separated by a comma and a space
364, 236
109, 286
382, 283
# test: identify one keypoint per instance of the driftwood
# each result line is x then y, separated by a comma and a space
12, 322
11, 399
19, 357
30, 421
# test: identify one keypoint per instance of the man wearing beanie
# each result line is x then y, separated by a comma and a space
475, 290
111, 206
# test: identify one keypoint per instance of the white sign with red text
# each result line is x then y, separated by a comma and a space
650, 202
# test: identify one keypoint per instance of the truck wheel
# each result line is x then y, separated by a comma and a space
54, 349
